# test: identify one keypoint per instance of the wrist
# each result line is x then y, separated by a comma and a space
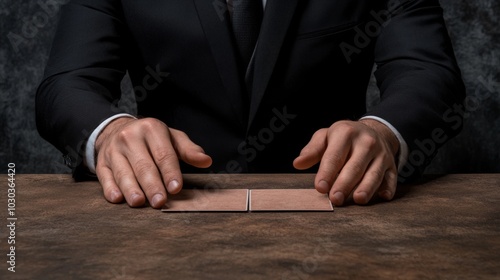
110, 128
385, 132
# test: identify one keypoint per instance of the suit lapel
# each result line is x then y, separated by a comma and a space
215, 20
277, 18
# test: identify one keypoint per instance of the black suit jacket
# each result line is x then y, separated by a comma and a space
311, 68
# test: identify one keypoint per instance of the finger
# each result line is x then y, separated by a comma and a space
125, 179
372, 179
312, 152
188, 151
110, 189
333, 159
165, 158
147, 175
135, 154
350, 175
387, 189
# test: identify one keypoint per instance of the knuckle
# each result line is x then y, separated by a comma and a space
333, 159
356, 168
125, 135
178, 133
350, 132
149, 188
376, 174
319, 133
342, 124
99, 167
343, 184
143, 167
163, 156
121, 175
370, 141
106, 154
391, 175
150, 124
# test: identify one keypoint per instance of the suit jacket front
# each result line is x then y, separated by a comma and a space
310, 68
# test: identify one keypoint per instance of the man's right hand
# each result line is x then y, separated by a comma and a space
139, 159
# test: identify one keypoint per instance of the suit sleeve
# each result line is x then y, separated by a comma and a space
419, 81
82, 78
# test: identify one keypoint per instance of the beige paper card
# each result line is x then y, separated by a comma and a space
197, 200
289, 200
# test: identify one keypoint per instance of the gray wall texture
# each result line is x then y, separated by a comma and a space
27, 29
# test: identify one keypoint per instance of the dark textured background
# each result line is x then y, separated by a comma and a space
473, 26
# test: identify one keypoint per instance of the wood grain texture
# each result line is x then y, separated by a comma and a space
444, 227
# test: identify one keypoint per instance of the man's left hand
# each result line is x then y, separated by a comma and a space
357, 157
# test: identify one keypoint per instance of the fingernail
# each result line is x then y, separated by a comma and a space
157, 199
323, 186
339, 197
386, 195
115, 195
173, 186
134, 198
363, 197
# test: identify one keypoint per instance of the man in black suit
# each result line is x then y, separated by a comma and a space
233, 87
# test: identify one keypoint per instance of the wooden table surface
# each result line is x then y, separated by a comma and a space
445, 227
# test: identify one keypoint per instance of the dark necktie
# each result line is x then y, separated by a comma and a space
246, 21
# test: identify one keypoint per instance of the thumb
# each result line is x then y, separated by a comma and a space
313, 151
188, 151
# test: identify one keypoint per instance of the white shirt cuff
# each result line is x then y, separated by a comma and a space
90, 147
403, 147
